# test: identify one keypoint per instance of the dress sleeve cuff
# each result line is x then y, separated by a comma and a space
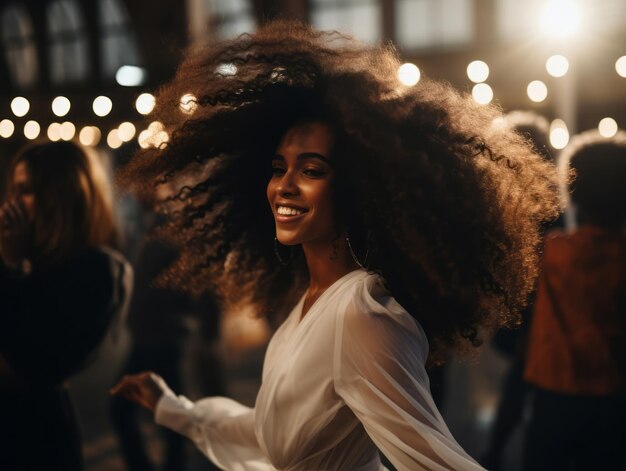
173, 411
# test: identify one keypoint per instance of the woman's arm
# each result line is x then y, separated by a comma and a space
221, 428
379, 372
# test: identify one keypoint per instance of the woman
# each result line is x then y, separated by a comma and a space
391, 209
576, 359
60, 288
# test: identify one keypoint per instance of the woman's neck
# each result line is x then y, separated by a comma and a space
327, 262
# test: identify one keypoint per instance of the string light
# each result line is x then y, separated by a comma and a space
537, 91
6, 128
557, 65
482, 93
54, 132
607, 127
409, 74
89, 136
20, 106
145, 103
31, 130
559, 135
113, 139
61, 106
188, 103
126, 131
102, 106
620, 66
68, 131
477, 71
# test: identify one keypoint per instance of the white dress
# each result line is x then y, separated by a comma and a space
348, 376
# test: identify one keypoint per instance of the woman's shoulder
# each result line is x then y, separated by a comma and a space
368, 301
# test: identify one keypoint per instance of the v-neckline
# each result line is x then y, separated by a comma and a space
300, 309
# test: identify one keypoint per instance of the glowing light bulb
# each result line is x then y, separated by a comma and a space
607, 127
61, 106
482, 93
557, 65
188, 103
145, 103
477, 71
20, 106
113, 139
102, 106
620, 66
409, 74
559, 135
68, 130
6, 128
54, 132
126, 131
89, 136
32, 130
130, 76
537, 91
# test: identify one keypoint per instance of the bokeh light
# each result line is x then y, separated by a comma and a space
89, 136
126, 131
20, 106
6, 128
477, 71
537, 91
32, 130
130, 76
102, 106
559, 135
61, 106
409, 74
54, 132
113, 139
145, 103
557, 65
607, 127
188, 103
68, 131
620, 66
482, 93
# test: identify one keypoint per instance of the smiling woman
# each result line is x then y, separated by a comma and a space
410, 222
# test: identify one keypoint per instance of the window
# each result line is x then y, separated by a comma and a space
359, 18
230, 18
19, 45
422, 24
117, 42
68, 42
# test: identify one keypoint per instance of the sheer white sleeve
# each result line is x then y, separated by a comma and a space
380, 352
221, 428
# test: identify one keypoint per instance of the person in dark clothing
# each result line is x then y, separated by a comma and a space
576, 360
61, 287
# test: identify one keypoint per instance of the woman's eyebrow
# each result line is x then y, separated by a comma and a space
306, 155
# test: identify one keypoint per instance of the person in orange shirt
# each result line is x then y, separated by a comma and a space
577, 346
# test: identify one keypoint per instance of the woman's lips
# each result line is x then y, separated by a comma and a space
289, 213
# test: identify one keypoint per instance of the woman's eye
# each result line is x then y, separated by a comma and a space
312, 172
277, 171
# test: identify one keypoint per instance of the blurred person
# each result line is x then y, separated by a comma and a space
356, 209
576, 360
512, 342
61, 287
158, 325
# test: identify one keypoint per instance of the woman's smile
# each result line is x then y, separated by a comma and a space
300, 190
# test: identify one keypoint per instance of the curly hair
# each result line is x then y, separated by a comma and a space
447, 206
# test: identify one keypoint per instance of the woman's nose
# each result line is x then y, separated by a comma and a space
287, 185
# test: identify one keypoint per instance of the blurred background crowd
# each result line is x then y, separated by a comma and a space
85, 70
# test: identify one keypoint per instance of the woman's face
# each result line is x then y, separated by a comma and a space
300, 190
22, 188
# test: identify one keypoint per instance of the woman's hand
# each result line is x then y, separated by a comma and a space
143, 388
15, 233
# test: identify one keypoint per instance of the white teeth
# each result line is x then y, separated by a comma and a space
286, 211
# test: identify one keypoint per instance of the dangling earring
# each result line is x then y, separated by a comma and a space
282, 261
356, 260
